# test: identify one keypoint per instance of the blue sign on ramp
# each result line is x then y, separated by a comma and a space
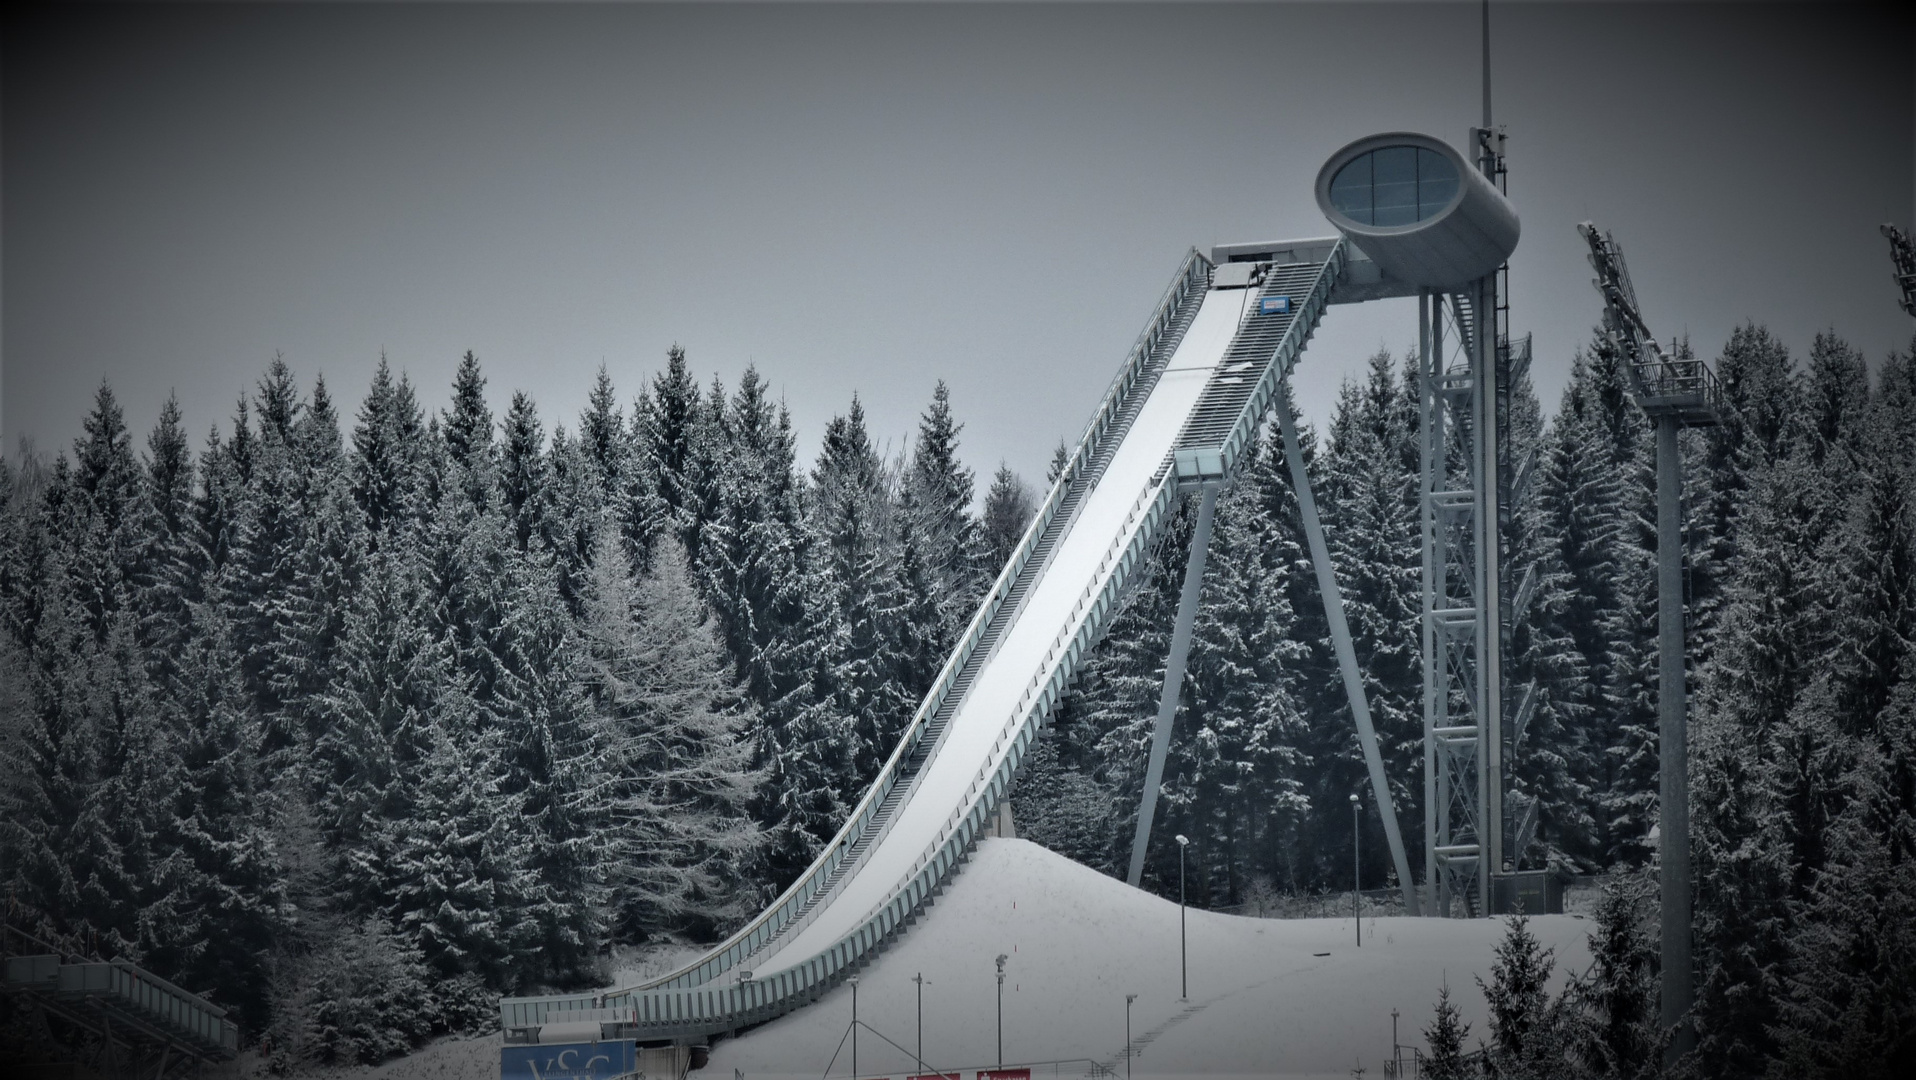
569, 1061
1275, 305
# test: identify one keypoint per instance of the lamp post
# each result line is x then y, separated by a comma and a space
854, 981
1001, 1009
1396, 1051
1357, 897
1184, 965
920, 980
1128, 999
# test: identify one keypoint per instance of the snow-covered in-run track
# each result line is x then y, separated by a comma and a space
1182, 408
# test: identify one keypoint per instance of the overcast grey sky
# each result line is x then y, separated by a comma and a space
872, 197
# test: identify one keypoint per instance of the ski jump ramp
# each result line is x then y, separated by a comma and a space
1178, 417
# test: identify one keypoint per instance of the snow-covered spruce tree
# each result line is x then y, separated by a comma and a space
1372, 530
376, 724
328, 557
1615, 1002
103, 524
170, 578
524, 476
1062, 807
360, 998
1115, 704
683, 842
80, 826
389, 459
1741, 903
1009, 507
756, 579
294, 552
1869, 560
1755, 372
1444, 1037
1580, 509
854, 536
577, 502
457, 880
1847, 1004
939, 489
1529, 1035
1328, 762
666, 437
1239, 754
920, 637
555, 756
225, 906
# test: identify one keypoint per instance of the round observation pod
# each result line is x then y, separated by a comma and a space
1413, 204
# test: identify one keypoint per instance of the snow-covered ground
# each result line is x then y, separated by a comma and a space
1263, 1001
1267, 996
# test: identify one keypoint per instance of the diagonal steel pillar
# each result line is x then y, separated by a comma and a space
1341, 643
1173, 679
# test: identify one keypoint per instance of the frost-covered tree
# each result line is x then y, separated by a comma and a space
1528, 1036
937, 491
1445, 1037
1009, 507
1615, 1002
683, 837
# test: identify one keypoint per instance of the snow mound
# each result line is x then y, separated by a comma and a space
1263, 1000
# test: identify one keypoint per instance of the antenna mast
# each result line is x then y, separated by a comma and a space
1486, 65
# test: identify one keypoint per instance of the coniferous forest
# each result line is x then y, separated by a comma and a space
356, 716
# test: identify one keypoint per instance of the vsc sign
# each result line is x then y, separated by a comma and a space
568, 1061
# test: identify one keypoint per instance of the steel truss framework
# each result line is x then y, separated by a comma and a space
1462, 621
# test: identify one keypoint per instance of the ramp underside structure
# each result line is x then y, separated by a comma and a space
1182, 410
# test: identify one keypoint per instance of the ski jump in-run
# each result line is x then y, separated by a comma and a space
1414, 218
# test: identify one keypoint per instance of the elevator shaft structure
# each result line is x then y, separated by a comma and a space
1675, 392
1462, 624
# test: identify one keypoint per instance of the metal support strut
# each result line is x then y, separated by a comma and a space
1173, 679
1673, 825
1346, 652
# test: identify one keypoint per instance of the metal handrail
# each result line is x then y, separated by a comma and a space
750, 1002
1160, 483
1285, 353
1680, 378
1194, 271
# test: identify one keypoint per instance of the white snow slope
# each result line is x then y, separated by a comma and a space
1261, 1002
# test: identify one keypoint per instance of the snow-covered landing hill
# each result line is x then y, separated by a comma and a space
1262, 1002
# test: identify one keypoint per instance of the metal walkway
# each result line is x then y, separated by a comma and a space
1180, 412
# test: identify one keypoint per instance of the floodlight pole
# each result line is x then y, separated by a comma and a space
920, 980
1673, 788
1673, 391
1357, 865
1184, 966
1128, 999
854, 981
1001, 1009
